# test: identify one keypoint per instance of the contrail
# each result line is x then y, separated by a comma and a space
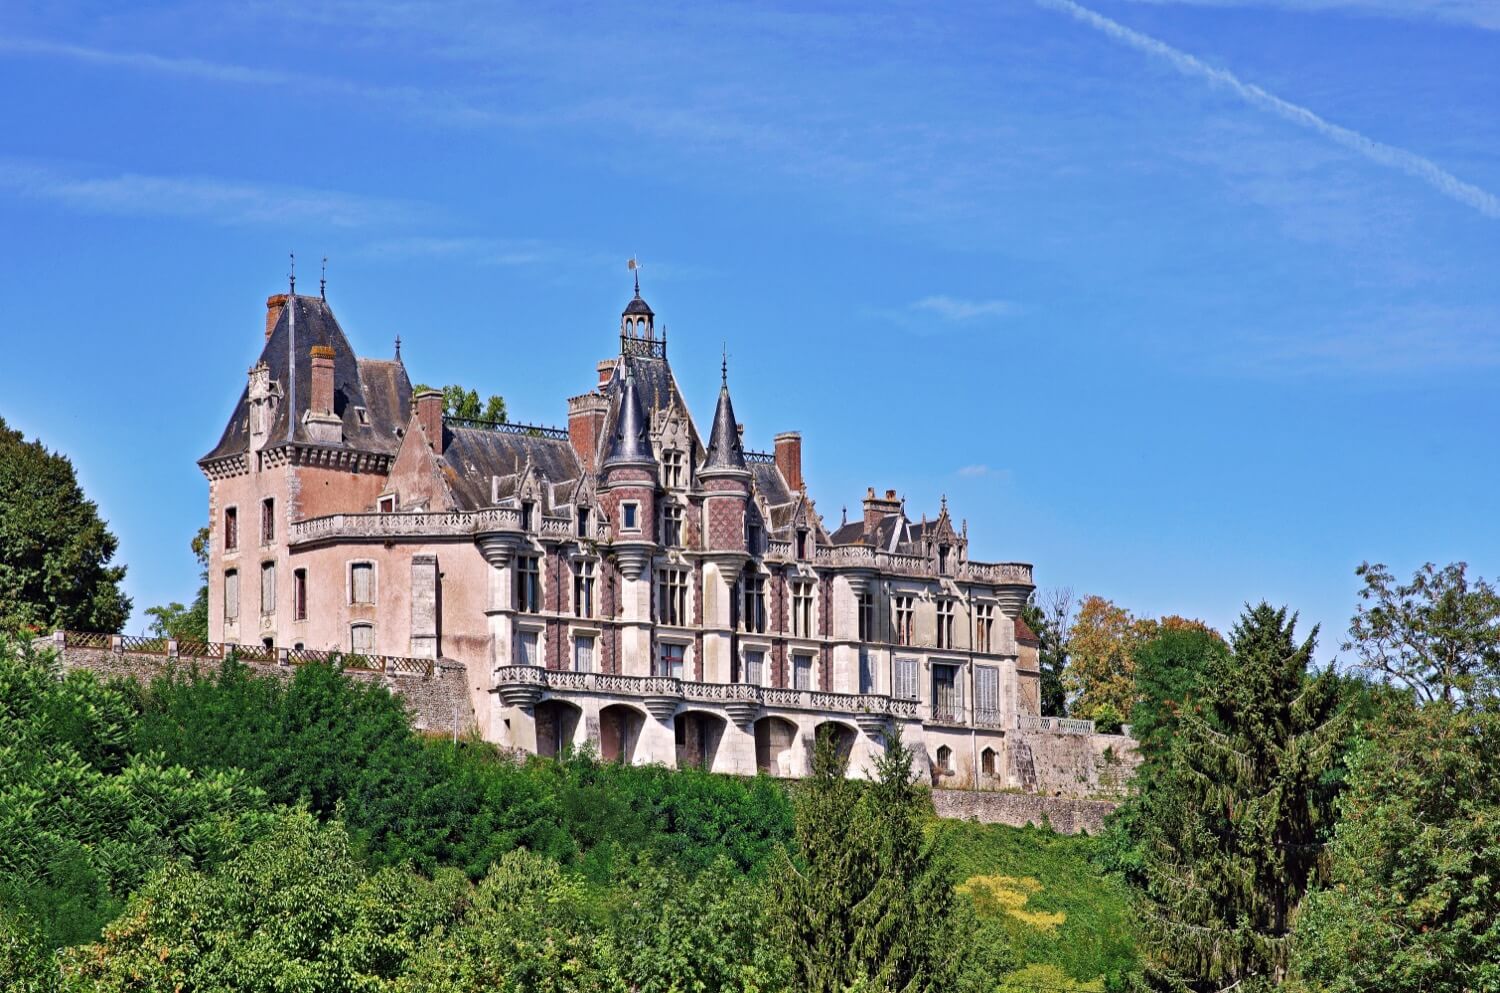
1387, 155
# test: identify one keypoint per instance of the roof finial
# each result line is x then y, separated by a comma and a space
945, 503
398, 348
846, 513
293, 274
323, 280
724, 367
634, 265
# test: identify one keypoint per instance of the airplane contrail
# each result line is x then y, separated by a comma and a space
1376, 151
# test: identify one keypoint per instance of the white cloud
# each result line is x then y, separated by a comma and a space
959, 310
222, 201
482, 251
975, 471
1378, 152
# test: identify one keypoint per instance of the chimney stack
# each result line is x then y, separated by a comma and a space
322, 379
789, 458
274, 305
877, 508
430, 416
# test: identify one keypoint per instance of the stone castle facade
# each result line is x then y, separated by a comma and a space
625, 581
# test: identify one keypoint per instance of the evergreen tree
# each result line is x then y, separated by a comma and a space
868, 903
55, 552
1232, 825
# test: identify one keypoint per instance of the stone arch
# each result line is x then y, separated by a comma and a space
989, 762
774, 738
843, 736
698, 734
556, 727
620, 727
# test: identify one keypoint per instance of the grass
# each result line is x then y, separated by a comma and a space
1062, 915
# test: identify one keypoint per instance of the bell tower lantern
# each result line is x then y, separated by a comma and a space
638, 320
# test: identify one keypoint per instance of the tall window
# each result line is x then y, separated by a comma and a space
362, 638
802, 668
945, 560
267, 520
671, 469
528, 511
801, 544
231, 595
231, 528
755, 666
528, 584
866, 617
802, 602
671, 525
583, 653
866, 672
669, 659
752, 536
583, 588
753, 605
904, 679
583, 522
671, 597
945, 624
947, 693
526, 649
905, 613
987, 694
268, 588
984, 627
630, 516
299, 594
362, 582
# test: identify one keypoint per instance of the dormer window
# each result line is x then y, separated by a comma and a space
671, 469
802, 543
671, 525
387, 504
583, 522
752, 536
944, 560
526, 512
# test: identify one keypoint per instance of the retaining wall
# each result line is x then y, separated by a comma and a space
1065, 815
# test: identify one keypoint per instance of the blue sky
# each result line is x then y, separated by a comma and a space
1189, 303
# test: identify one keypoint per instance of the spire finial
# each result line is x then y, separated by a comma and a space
398, 348
724, 367
292, 276
945, 503
323, 280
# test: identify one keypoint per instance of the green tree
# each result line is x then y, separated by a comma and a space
1438, 635
461, 402
1414, 900
1049, 618
867, 903
55, 552
1171, 670
186, 623
1232, 823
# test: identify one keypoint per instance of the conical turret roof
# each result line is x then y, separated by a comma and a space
724, 448
631, 441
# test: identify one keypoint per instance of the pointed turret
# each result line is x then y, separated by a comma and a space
724, 448
631, 442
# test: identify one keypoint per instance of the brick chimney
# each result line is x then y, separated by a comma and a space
430, 416
876, 508
274, 305
322, 379
323, 425
789, 458
585, 421
606, 371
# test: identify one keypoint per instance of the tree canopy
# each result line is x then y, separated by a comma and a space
56, 553
461, 402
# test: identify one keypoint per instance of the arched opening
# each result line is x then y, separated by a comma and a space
987, 761
943, 764
841, 735
619, 731
698, 736
773, 746
556, 725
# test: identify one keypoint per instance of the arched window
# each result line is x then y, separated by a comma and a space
361, 638
944, 758
987, 761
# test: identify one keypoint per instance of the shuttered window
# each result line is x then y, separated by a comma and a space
947, 692
583, 654
362, 638
987, 694
362, 583
802, 667
755, 667
268, 588
526, 649
232, 595
905, 679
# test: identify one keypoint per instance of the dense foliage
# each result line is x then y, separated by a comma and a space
55, 551
461, 402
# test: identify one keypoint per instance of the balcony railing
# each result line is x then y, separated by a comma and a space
863, 556
124, 644
1060, 725
425, 524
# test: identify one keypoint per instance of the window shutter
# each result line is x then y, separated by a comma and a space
987, 692
906, 679
526, 648
584, 660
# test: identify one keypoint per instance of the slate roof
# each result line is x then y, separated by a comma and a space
638, 306
630, 439
380, 387
852, 533
473, 455
769, 484
724, 448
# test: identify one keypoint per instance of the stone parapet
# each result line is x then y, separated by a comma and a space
1065, 815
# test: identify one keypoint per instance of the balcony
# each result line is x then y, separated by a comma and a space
424, 524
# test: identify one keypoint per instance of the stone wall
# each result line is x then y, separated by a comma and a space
435, 702
1065, 815
1071, 765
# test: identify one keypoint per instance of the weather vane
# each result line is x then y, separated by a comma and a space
634, 265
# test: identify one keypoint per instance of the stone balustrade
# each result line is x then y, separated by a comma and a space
899, 563
425, 524
1059, 725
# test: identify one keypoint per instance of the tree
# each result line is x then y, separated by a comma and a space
460, 402
1413, 904
1050, 617
186, 623
868, 902
1232, 825
1101, 658
1171, 669
55, 552
1439, 635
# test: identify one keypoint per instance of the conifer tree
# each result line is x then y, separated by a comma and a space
1232, 825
